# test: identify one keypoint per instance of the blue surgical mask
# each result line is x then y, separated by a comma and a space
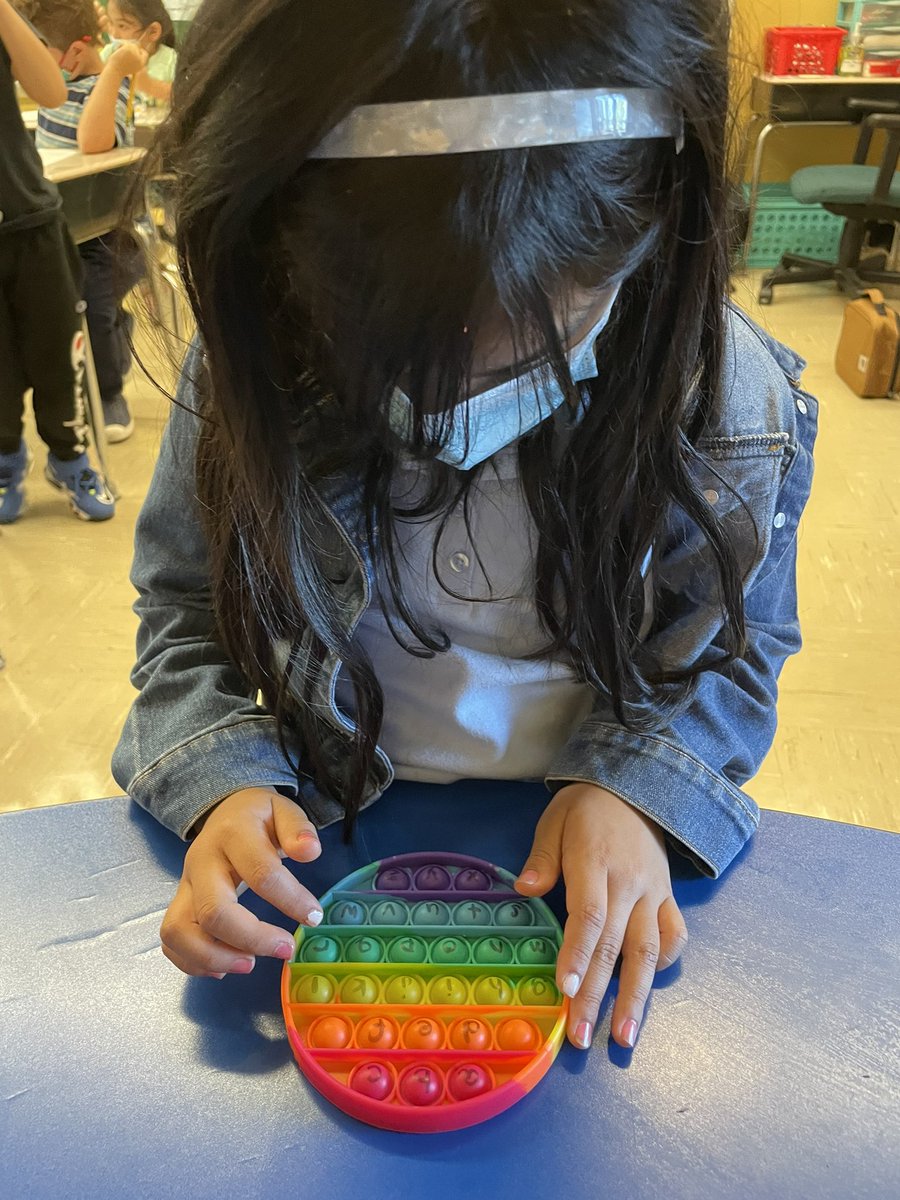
502, 415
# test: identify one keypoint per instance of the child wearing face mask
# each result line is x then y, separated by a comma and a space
148, 23
475, 472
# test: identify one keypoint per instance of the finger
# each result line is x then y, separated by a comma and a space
294, 832
673, 934
640, 955
191, 949
585, 1006
258, 862
587, 902
544, 863
219, 915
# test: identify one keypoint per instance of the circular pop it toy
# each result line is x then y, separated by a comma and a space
426, 1000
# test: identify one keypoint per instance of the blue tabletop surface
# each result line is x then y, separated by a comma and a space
768, 1067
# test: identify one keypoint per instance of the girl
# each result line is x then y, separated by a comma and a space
473, 473
148, 23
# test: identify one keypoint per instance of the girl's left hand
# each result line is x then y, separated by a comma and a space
619, 899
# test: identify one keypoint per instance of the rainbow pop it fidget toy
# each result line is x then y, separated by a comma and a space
426, 1000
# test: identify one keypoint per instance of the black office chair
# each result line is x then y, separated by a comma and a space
857, 192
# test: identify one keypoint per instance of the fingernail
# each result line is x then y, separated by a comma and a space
583, 1034
571, 983
307, 836
315, 917
629, 1032
222, 976
284, 950
529, 878
243, 966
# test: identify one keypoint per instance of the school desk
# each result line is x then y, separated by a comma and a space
769, 1065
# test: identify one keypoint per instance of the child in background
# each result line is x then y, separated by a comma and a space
41, 341
95, 119
148, 23
476, 473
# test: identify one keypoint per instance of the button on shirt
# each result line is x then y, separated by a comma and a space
481, 709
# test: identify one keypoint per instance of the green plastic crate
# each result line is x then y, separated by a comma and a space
783, 226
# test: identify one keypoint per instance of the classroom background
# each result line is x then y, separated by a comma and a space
66, 625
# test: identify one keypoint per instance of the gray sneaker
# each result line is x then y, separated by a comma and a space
118, 419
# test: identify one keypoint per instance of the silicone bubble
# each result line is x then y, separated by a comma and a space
330, 1033
364, 949
448, 989
517, 1034
472, 880
404, 989
407, 950
449, 950
472, 912
491, 989
373, 1079
431, 912
468, 1033
514, 912
423, 1033
377, 1033
421, 1085
389, 912
312, 989
495, 950
347, 912
320, 949
393, 879
467, 1081
359, 989
538, 991
432, 879
534, 952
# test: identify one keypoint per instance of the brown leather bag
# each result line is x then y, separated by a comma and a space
868, 352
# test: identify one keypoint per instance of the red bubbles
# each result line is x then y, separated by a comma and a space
467, 1081
421, 1086
374, 1080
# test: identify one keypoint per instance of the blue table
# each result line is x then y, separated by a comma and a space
768, 1067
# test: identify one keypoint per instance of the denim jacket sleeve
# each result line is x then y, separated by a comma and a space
688, 777
194, 734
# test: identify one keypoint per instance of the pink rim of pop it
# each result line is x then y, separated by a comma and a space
446, 1114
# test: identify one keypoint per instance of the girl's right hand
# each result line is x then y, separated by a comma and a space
128, 59
243, 839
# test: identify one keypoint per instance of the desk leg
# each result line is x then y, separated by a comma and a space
95, 405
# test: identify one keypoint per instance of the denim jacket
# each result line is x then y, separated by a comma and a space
196, 733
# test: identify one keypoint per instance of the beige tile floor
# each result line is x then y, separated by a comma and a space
66, 627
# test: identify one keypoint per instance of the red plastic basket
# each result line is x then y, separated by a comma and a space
803, 49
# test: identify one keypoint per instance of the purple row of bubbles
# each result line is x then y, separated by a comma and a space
432, 878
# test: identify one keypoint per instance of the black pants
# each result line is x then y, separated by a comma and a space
112, 266
41, 342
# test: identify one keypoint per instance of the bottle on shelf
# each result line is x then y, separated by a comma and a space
853, 53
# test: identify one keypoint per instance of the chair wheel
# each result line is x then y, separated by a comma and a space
765, 294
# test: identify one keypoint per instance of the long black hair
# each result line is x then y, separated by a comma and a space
319, 285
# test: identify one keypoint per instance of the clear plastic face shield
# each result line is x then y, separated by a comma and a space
495, 418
